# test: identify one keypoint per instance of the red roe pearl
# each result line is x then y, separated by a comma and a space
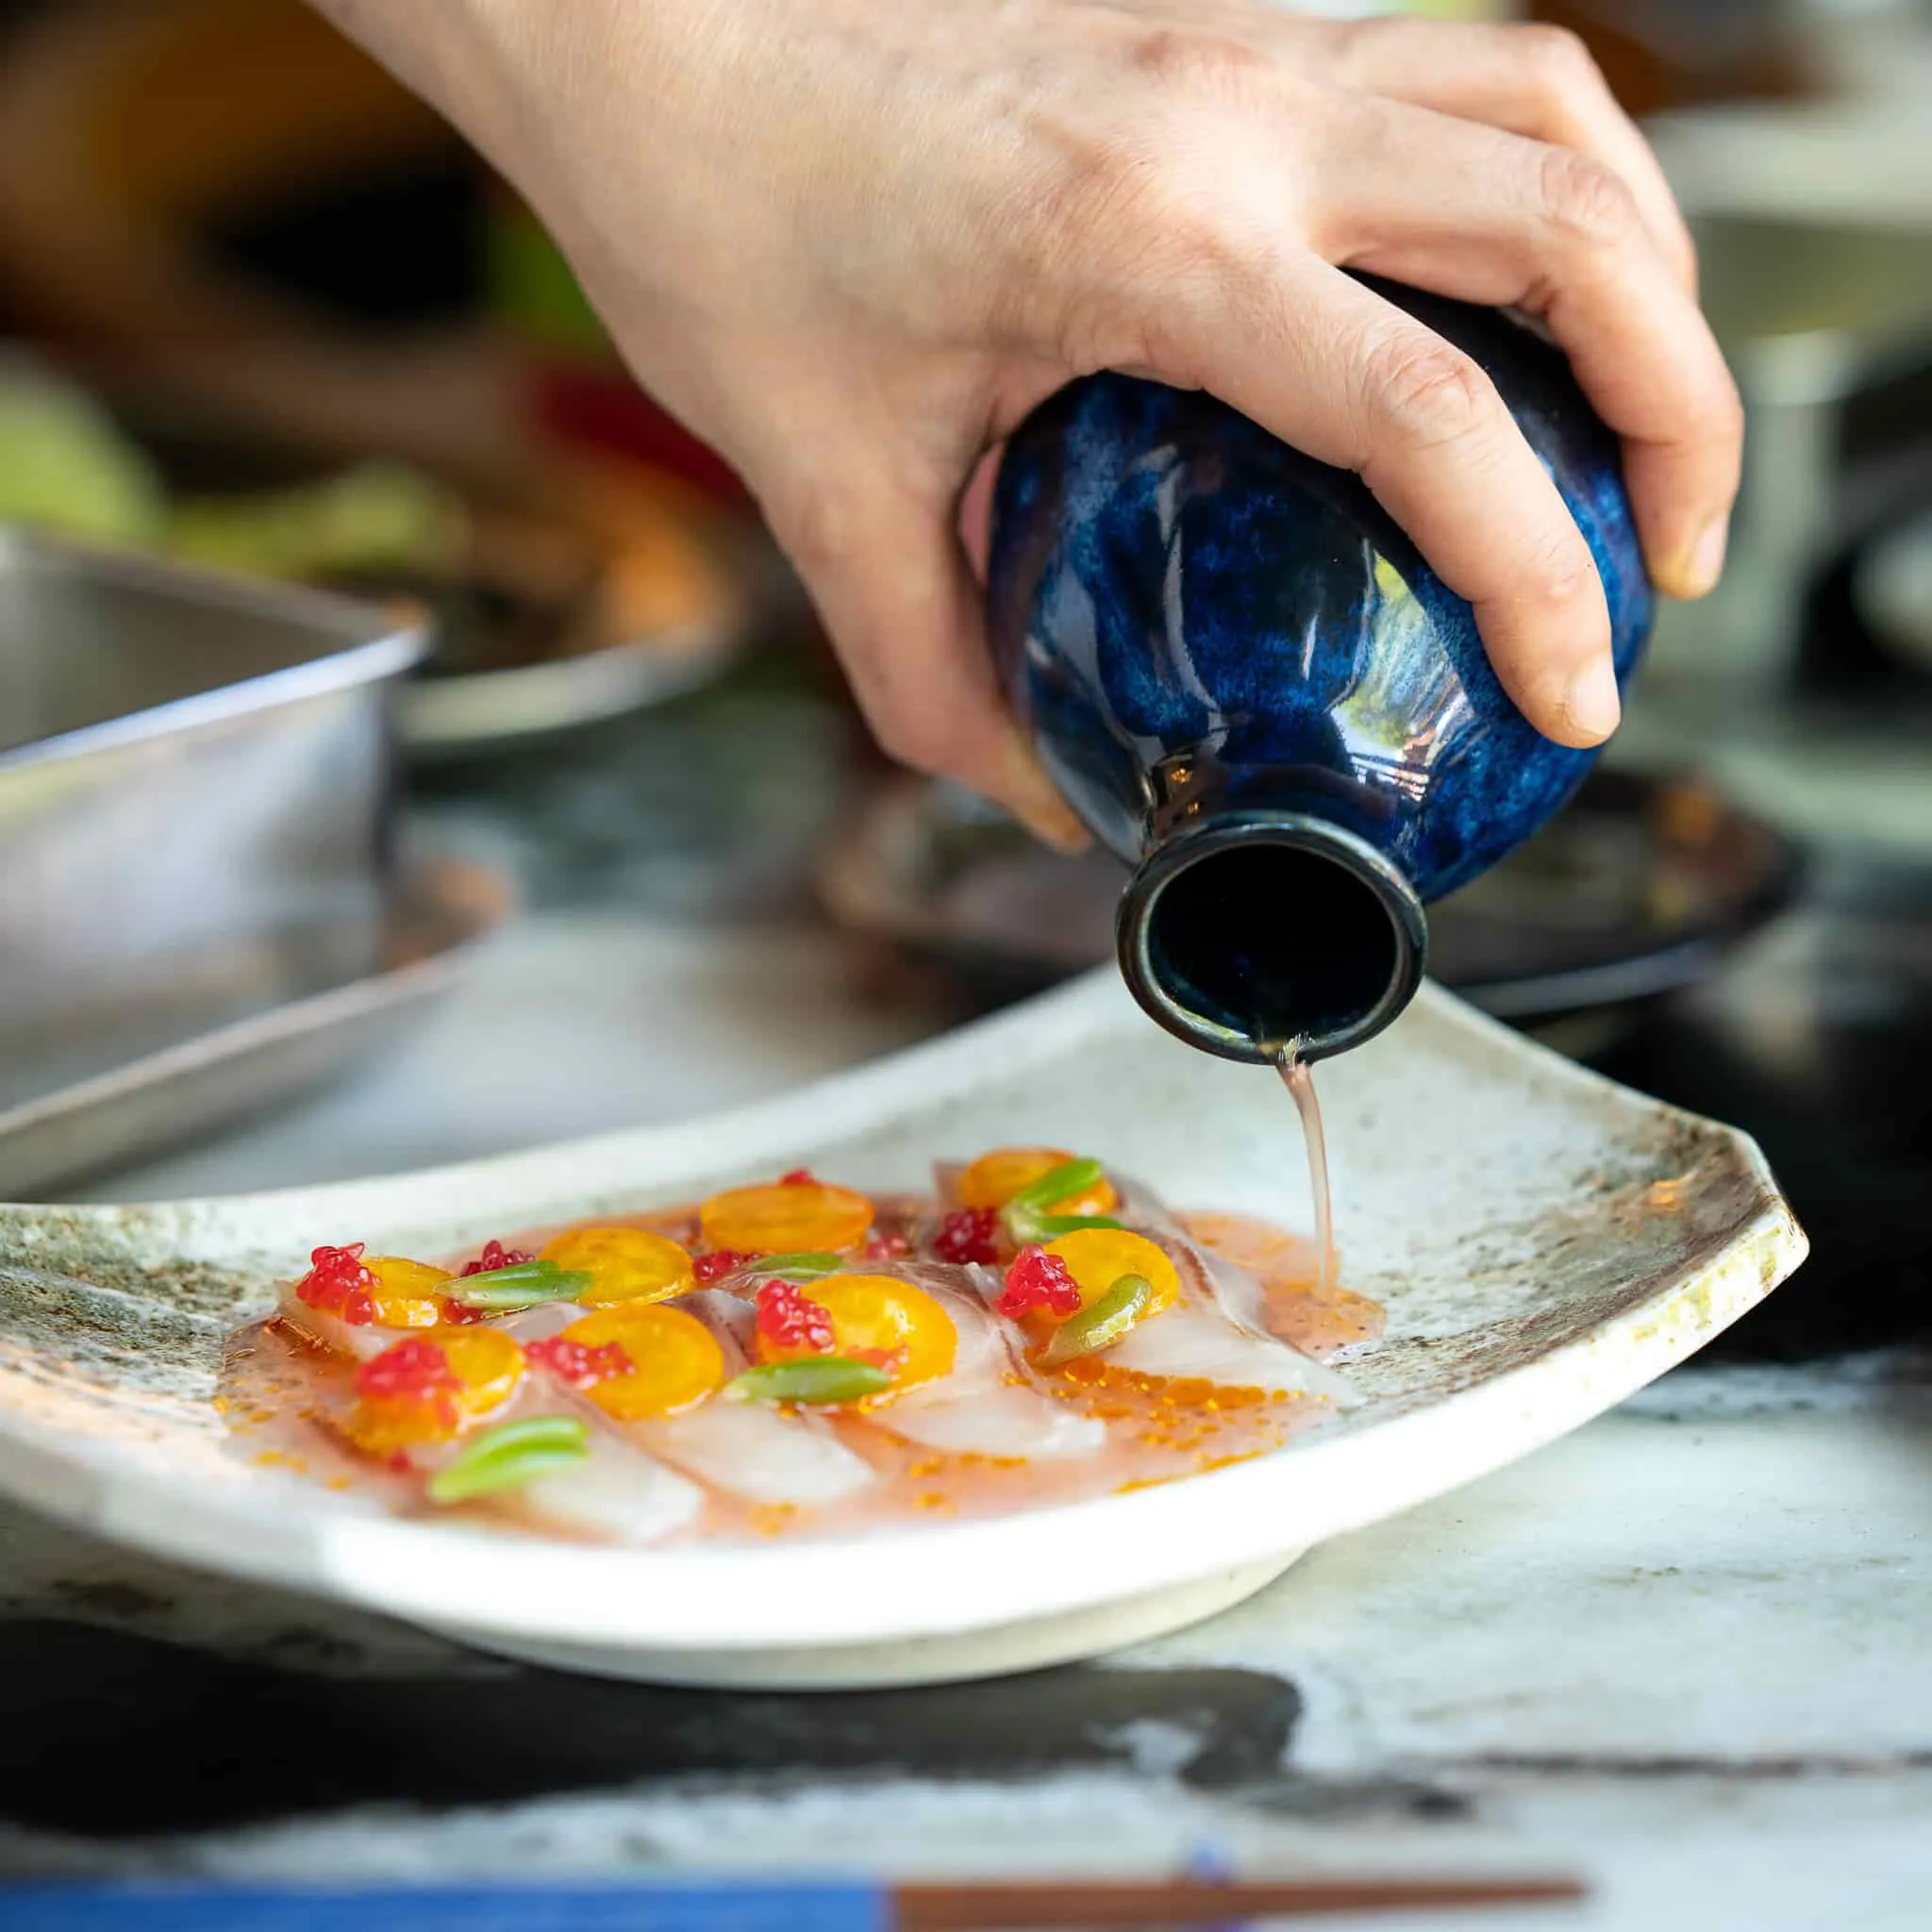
494, 1255
338, 1284
1037, 1280
578, 1364
410, 1370
789, 1319
716, 1265
799, 1177
967, 1235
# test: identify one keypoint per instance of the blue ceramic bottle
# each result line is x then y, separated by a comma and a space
1252, 688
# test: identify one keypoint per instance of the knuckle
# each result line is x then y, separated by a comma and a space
1723, 415
1558, 59
1561, 573
1432, 393
1132, 244
1586, 201
1192, 62
1104, 192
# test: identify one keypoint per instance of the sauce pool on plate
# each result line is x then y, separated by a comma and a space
800, 1358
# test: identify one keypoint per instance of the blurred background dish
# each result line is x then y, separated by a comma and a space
1640, 887
1894, 591
569, 594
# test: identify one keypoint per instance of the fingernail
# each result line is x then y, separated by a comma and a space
1037, 804
1706, 562
1591, 704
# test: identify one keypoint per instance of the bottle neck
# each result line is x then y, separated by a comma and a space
1259, 930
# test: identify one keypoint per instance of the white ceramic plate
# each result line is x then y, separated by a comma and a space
1545, 1244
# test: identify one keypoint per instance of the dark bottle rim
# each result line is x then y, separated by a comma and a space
1377, 978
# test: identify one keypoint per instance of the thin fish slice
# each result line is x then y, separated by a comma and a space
1198, 1337
614, 1493
342, 1338
985, 1405
759, 1453
1004, 1421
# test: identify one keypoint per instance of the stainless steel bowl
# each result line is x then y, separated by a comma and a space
195, 797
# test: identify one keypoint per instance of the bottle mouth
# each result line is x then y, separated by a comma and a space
1270, 930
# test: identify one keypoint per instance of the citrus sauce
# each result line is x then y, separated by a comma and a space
1298, 1076
282, 1395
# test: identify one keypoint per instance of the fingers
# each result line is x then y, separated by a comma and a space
892, 585
1334, 370
1490, 217
1537, 81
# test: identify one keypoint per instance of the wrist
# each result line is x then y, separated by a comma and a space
491, 67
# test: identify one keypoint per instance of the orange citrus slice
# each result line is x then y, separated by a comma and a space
879, 1316
625, 1264
807, 1217
675, 1360
485, 1366
1097, 1258
407, 1294
994, 1179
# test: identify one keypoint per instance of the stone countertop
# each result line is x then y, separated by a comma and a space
1684, 1655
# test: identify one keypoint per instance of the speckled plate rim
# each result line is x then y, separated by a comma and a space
968, 1576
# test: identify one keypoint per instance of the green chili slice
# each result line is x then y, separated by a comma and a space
1024, 1215
808, 1265
1050, 1226
509, 1455
813, 1378
1056, 1184
1100, 1325
527, 1285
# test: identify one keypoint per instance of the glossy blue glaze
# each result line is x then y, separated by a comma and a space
1168, 580
1197, 623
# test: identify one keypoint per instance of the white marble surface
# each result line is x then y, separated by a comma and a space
1685, 1655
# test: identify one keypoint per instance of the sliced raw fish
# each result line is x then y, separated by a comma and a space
614, 1493
747, 1449
987, 1405
757, 1453
343, 1338
1198, 1337
1017, 1422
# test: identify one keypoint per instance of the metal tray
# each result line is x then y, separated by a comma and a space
176, 1094
195, 801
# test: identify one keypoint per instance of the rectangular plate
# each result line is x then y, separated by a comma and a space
1545, 1244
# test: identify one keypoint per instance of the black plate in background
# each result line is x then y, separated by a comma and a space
1638, 889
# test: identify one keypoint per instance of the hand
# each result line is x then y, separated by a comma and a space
852, 242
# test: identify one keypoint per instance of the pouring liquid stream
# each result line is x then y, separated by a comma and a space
1298, 1076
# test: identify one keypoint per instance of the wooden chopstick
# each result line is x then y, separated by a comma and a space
1000, 1907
